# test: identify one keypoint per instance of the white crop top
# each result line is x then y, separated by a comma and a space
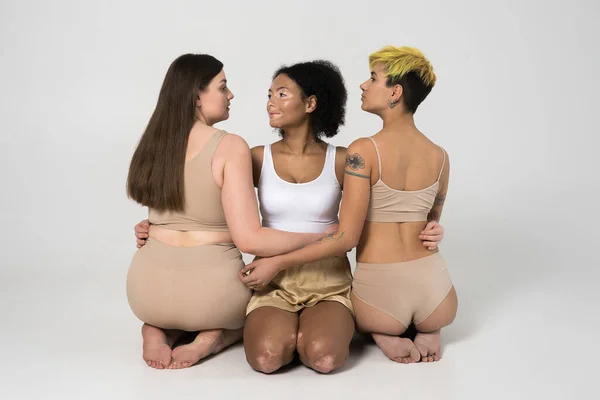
309, 207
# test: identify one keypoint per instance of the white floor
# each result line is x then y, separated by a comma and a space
526, 330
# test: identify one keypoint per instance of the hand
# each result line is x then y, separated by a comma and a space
141, 232
432, 235
259, 273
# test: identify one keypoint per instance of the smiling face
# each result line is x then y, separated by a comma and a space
287, 105
213, 102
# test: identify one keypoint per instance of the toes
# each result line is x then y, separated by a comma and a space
415, 356
422, 350
180, 365
436, 357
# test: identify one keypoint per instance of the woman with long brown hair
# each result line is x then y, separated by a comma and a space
196, 181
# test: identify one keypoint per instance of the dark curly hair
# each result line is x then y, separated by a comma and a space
322, 79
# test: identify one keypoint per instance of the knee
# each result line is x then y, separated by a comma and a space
268, 356
323, 357
267, 361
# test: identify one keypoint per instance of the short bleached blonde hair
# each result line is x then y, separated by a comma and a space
399, 61
408, 67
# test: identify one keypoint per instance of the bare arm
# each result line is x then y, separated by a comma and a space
340, 164
355, 202
257, 154
436, 212
241, 208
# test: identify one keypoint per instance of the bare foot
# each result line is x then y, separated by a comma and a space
401, 350
428, 345
205, 344
156, 349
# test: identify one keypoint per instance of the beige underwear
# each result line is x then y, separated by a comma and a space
406, 291
188, 288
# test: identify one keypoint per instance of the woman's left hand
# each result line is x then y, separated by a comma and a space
259, 272
432, 235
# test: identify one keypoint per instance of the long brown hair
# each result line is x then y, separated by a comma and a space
156, 171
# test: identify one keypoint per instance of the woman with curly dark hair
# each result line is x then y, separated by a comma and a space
299, 178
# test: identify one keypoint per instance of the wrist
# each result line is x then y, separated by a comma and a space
283, 262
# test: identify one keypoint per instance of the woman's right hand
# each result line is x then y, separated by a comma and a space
141, 232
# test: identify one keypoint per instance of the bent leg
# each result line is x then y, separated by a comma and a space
428, 331
270, 338
324, 336
385, 331
206, 343
157, 345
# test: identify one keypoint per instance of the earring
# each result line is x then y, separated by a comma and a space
392, 104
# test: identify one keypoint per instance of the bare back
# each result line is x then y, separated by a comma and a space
409, 163
199, 138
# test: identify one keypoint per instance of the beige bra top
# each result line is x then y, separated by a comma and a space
203, 206
391, 205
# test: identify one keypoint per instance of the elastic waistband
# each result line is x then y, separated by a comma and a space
402, 264
204, 250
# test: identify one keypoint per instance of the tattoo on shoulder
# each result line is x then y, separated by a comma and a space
331, 237
355, 161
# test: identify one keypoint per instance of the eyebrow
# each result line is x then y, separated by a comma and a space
223, 80
373, 73
278, 89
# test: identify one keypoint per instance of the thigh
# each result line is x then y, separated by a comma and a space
371, 320
270, 330
325, 329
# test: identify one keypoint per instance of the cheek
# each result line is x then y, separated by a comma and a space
377, 94
295, 106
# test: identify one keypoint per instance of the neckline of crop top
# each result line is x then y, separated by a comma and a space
393, 205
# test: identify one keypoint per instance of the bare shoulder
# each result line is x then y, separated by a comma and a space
340, 152
340, 155
257, 152
235, 144
440, 154
445, 162
362, 147
361, 155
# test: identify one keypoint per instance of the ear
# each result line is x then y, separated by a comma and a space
396, 93
198, 102
311, 104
